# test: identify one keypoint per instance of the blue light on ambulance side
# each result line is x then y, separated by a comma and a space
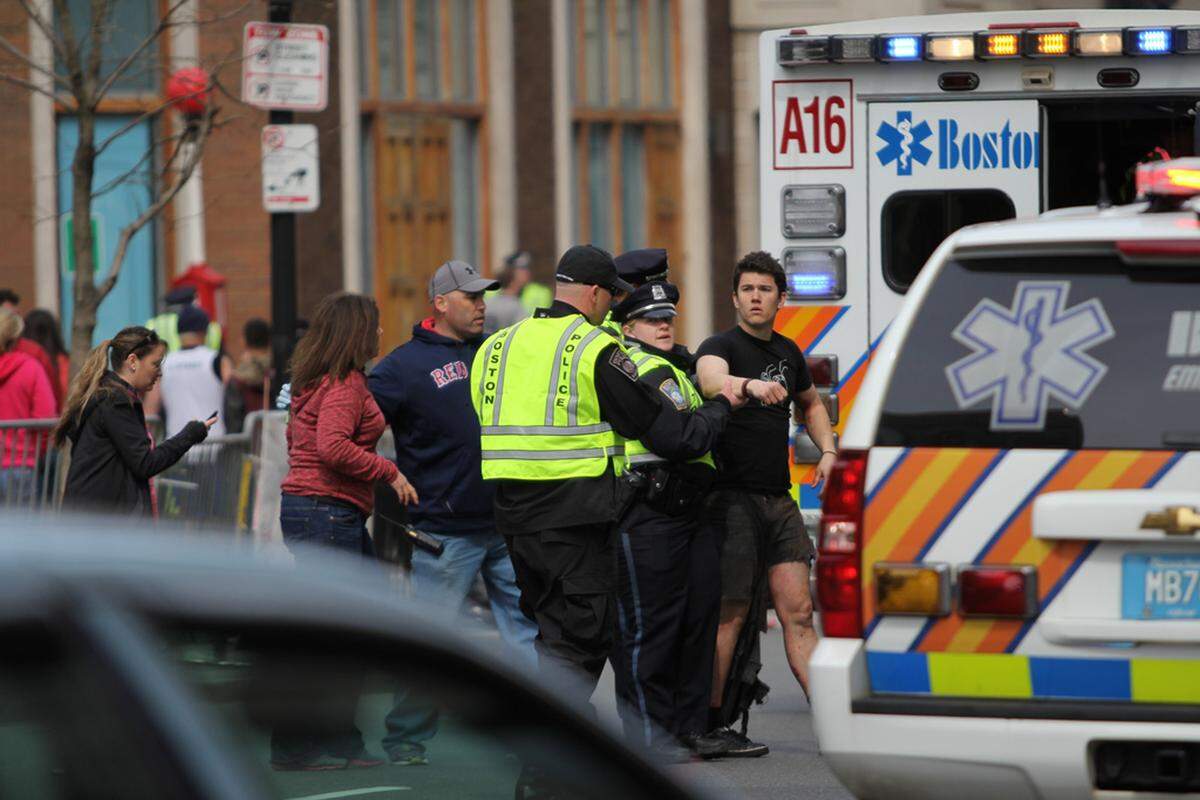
1148, 41
900, 48
815, 273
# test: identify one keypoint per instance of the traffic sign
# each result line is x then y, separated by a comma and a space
285, 66
291, 180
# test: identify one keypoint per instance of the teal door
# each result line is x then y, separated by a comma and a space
122, 184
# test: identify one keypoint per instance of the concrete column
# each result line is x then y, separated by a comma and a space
564, 175
43, 168
501, 139
695, 284
188, 206
351, 147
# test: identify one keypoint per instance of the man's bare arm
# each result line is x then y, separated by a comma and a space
712, 371
811, 411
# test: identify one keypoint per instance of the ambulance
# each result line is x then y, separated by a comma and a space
880, 138
1009, 569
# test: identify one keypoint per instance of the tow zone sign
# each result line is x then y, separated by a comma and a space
813, 124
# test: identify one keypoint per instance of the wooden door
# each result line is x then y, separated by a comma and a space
414, 228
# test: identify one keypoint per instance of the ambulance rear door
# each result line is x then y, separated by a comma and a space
935, 167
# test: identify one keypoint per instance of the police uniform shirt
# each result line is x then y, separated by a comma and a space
635, 412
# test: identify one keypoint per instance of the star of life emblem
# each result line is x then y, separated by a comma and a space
1028, 354
904, 143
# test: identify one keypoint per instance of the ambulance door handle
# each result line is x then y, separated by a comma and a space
1121, 515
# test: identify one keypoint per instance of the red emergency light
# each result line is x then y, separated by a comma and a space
839, 564
996, 591
1179, 177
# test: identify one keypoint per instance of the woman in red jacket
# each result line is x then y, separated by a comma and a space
25, 393
329, 489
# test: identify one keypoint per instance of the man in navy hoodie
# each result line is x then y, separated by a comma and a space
422, 387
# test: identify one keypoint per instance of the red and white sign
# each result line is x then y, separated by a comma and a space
291, 180
814, 124
285, 66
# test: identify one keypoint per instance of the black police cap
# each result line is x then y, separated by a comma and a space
642, 266
655, 300
590, 265
180, 296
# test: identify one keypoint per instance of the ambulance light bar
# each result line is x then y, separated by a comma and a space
1179, 177
815, 273
950, 47
1023, 41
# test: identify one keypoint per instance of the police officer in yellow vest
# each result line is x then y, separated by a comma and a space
557, 400
166, 324
668, 565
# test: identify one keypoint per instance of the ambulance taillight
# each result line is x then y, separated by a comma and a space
839, 563
997, 591
1178, 177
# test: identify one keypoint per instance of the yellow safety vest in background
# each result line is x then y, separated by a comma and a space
166, 325
636, 452
535, 296
533, 388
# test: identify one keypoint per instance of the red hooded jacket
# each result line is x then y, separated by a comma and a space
25, 393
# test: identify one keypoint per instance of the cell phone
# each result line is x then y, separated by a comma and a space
213, 415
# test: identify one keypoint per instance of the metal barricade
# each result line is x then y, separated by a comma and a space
32, 469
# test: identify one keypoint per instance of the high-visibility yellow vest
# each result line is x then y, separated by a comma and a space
166, 325
533, 388
535, 296
635, 452
613, 328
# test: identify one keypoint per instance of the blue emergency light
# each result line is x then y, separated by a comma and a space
1148, 41
900, 48
815, 273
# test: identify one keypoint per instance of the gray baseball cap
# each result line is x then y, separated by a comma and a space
461, 276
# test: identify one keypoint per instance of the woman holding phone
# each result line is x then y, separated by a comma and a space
113, 456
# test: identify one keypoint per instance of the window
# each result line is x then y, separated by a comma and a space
915, 223
423, 116
128, 26
626, 122
1134, 389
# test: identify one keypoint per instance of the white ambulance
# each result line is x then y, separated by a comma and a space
880, 138
1009, 568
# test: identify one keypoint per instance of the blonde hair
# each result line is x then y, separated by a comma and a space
108, 354
11, 328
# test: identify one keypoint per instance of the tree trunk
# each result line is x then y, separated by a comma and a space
87, 299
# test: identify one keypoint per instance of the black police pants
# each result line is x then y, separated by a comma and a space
568, 581
668, 604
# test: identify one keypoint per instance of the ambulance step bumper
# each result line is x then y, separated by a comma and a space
883, 751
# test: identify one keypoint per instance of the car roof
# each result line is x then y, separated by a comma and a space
1083, 225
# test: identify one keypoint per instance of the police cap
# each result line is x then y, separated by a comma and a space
590, 265
654, 300
181, 296
643, 266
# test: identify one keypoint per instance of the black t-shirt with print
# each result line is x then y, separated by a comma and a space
752, 454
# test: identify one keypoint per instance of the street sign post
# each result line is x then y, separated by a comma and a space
285, 66
290, 168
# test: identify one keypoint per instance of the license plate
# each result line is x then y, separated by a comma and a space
1160, 586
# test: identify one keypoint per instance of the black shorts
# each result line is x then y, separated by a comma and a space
738, 530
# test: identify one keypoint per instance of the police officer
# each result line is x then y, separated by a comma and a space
557, 400
668, 566
642, 266
166, 324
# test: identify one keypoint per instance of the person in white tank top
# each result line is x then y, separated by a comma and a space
193, 378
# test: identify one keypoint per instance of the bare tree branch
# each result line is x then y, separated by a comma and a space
33, 87
133, 123
244, 7
194, 143
25, 60
163, 24
70, 54
47, 29
146, 157
101, 15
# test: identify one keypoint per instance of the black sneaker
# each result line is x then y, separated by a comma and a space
740, 746
704, 745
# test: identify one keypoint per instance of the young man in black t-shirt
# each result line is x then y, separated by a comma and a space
751, 505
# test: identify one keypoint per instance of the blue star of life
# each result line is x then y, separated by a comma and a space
1026, 355
904, 143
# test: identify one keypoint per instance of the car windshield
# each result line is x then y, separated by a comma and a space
1073, 351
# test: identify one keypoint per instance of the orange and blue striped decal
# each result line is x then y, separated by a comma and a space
913, 503
808, 325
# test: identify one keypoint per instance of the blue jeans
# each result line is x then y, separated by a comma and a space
17, 486
309, 526
449, 578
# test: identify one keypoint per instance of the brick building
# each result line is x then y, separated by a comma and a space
455, 128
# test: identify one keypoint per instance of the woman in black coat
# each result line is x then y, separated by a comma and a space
113, 456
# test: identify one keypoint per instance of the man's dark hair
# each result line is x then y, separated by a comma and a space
257, 333
9, 296
760, 262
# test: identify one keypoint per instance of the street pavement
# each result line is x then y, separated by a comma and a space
793, 769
